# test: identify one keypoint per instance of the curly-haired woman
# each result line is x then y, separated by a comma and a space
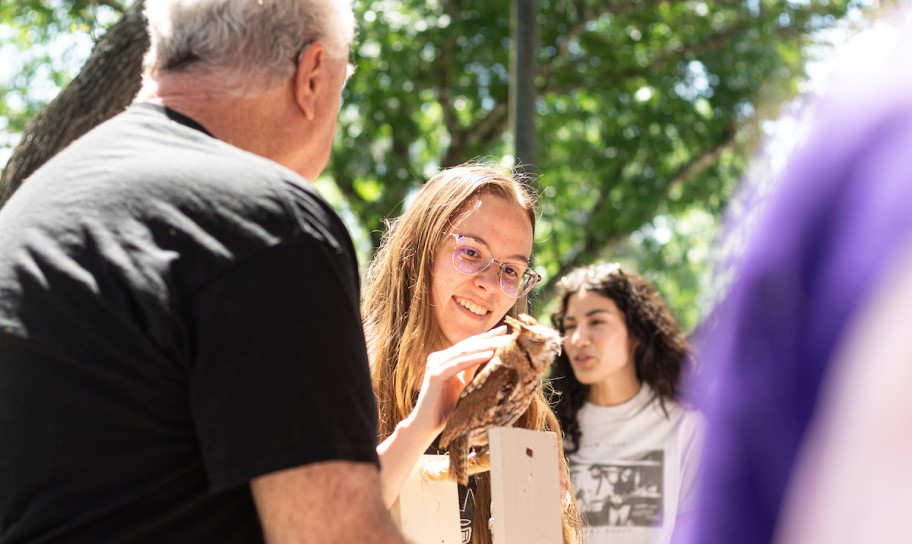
633, 446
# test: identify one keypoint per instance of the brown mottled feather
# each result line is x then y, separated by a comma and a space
500, 392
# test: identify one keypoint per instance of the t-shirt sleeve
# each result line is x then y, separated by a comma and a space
280, 375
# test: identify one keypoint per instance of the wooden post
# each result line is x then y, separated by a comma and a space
525, 486
427, 512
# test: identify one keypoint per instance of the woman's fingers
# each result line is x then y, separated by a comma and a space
494, 338
498, 330
451, 361
468, 360
452, 366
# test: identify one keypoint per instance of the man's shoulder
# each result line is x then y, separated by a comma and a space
150, 170
152, 159
143, 175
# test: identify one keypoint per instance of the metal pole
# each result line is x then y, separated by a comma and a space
523, 67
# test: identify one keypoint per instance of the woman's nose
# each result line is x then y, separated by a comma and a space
579, 336
489, 278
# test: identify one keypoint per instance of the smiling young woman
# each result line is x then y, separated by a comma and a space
469, 303
446, 273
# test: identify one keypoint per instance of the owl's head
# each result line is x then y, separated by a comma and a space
541, 344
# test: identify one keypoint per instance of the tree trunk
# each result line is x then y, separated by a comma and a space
105, 87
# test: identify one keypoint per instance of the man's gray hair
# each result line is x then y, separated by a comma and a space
250, 45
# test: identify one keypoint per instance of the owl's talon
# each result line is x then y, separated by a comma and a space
479, 462
436, 470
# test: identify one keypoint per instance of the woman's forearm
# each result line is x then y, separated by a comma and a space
398, 455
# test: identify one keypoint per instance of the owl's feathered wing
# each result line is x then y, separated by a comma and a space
498, 395
476, 412
490, 389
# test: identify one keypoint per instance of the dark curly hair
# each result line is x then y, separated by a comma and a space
662, 354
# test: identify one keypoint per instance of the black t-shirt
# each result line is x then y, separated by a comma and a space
177, 316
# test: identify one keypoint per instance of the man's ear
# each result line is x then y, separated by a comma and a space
310, 78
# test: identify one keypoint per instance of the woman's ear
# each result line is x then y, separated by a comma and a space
633, 343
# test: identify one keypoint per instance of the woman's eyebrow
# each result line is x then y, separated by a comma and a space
518, 257
590, 313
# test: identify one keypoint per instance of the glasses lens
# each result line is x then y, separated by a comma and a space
512, 278
470, 257
527, 282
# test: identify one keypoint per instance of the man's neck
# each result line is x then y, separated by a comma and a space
253, 123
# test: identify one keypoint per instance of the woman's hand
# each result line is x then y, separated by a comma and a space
448, 372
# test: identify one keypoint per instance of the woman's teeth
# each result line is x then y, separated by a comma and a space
474, 308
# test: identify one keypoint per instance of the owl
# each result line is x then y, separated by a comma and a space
500, 392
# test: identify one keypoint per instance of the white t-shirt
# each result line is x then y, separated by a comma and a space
635, 470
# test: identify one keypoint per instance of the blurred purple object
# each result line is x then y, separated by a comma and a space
839, 218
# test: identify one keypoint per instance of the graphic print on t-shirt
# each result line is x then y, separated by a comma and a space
621, 492
466, 511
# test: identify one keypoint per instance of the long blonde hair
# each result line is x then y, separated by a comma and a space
399, 322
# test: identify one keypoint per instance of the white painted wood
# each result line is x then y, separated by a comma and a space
427, 512
525, 486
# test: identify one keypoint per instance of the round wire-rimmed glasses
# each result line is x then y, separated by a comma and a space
472, 257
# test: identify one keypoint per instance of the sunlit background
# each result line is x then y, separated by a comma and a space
648, 114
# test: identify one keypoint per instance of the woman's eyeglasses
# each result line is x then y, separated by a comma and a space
471, 257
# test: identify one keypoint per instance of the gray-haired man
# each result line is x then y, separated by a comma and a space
181, 355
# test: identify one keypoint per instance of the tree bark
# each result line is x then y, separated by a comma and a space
104, 87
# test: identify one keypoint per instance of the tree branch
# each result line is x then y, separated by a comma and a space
549, 288
492, 125
489, 128
445, 96
479, 134
596, 239
562, 49
704, 161
718, 41
104, 87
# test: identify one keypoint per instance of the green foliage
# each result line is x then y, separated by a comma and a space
646, 109
45, 43
646, 113
428, 72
